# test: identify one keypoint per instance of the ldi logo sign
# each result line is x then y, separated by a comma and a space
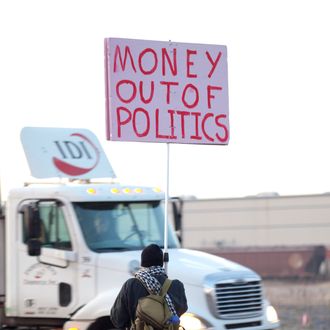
64, 152
80, 149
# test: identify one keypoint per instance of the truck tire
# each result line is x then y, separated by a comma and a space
103, 323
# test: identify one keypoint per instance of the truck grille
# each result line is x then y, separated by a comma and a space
239, 299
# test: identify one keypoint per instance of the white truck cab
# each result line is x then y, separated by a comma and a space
70, 246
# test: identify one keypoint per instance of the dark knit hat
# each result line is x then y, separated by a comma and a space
152, 255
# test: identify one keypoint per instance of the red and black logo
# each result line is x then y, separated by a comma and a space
79, 149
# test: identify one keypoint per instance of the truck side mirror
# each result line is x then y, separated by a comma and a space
32, 225
34, 247
177, 206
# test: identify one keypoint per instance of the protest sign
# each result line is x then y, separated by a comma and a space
166, 92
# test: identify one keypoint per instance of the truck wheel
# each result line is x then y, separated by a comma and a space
104, 323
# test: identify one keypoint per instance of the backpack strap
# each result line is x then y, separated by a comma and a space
165, 287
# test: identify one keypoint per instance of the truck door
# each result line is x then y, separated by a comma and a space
47, 282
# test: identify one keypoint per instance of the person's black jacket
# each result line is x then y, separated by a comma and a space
123, 311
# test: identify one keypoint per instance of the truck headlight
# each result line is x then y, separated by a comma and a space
271, 314
193, 322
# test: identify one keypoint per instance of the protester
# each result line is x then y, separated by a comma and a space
152, 276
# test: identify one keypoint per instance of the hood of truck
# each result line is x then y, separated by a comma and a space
190, 266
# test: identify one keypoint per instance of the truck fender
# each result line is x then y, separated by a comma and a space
98, 307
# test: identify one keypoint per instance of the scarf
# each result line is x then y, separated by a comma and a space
146, 276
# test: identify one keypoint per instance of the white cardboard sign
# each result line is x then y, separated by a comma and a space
166, 92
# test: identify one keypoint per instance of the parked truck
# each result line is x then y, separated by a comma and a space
70, 245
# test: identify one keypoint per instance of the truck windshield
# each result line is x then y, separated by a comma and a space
109, 226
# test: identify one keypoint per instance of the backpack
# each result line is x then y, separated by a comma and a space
153, 313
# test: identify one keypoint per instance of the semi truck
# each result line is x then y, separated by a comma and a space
67, 246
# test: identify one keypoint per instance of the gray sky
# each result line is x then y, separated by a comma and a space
52, 74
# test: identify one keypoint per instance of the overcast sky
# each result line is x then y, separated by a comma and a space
52, 75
